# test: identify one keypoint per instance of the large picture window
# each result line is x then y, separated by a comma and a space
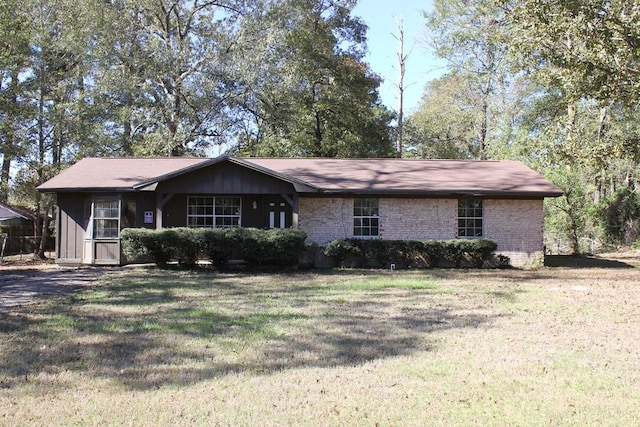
106, 219
206, 211
227, 212
366, 219
470, 216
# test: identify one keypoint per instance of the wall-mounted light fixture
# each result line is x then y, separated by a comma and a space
254, 205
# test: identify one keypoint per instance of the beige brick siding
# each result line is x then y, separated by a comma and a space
418, 219
516, 225
326, 219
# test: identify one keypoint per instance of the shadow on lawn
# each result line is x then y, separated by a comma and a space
179, 330
583, 261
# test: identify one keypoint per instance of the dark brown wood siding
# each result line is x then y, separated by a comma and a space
139, 203
175, 212
225, 178
107, 252
71, 227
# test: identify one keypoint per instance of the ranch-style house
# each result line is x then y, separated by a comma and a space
327, 198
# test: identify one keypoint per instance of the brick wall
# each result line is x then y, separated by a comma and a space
326, 219
516, 225
418, 219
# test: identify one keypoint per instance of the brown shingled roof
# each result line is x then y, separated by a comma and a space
396, 176
414, 176
111, 173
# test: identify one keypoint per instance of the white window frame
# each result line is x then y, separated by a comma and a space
102, 215
366, 212
470, 218
222, 217
212, 214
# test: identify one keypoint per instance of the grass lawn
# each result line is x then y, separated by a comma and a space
555, 346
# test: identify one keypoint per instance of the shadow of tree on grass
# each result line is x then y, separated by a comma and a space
147, 330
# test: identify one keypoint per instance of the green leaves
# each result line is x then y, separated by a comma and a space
590, 48
307, 91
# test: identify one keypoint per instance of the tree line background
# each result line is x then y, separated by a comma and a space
553, 83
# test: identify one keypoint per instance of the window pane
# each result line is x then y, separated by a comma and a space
470, 218
106, 224
106, 228
365, 217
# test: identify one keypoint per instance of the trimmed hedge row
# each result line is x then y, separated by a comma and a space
187, 245
377, 253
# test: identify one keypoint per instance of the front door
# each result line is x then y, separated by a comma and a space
277, 213
266, 212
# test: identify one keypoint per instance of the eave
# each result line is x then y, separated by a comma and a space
438, 193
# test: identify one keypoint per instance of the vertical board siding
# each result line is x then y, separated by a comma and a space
71, 228
225, 179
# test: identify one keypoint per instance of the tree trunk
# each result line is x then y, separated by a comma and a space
402, 59
41, 246
4, 183
483, 129
571, 124
10, 145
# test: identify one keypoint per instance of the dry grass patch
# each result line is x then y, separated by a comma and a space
552, 346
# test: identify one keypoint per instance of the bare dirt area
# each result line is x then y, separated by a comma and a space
24, 280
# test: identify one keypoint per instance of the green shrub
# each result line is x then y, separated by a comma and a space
186, 244
142, 242
468, 252
376, 253
282, 246
133, 245
341, 249
217, 245
433, 250
258, 247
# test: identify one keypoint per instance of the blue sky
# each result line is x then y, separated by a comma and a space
382, 17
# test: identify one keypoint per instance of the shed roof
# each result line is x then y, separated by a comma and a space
8, 212
332, 176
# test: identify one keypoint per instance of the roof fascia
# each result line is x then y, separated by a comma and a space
445, 193
88, 190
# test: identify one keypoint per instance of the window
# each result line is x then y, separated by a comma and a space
365, 218
227, 212
470, 215
204, 211
106, 219
200, 211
